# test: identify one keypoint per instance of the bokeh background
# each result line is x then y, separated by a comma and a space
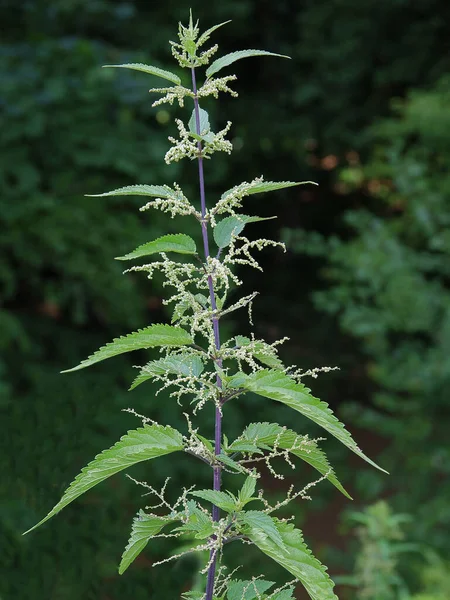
363, 108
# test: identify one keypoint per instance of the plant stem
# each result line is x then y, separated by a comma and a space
215, 323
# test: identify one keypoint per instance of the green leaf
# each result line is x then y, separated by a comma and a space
229, 59
244, 446
190, 46
148, 69
233, 225
177, 242
143, 529
156, 191
280, 387
154, 335
181, 364
136, 446
248, 590
259, 521
296, 558
222, 500
179, 309
265, 434
247, 490
204, 123
208, 443
256, 187
230, 463
205, 36
262, 351
198, 523
287, 594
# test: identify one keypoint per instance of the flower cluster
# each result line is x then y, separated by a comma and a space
177, 92
187, 146
175, 203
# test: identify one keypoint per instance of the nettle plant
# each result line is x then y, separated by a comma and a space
211, 372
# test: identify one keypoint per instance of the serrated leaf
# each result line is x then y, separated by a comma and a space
173, 242
296, 558
247, 490
222, 500
143, 529
136, 446
269, 360
248, 590
204, 123
265, 434
198, 523
148, 69
280, 387
205, 36
229, 59
233, 225
150, 337
193, 595
156, 191
256, 187
243, 446
230, 463
259, 521
180, 364
287, 594
179, 310
207, 442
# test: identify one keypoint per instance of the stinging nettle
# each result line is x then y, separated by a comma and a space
195, 362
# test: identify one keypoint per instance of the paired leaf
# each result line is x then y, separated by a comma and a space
229, 59
296, 558
148, 69
143, 529
177, 242
278, 386
181, 364
150, 337
204, 123
264, 435
136, 446
156, 191
222, 500
248, 590
226, 228
260, 522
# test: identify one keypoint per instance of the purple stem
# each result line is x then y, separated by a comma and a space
215, 322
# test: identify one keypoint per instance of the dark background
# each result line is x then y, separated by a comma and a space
363, 108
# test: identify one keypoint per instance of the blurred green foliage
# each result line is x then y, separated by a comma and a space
381, 542
70, 128
388, 286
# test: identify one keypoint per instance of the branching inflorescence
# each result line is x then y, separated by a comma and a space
201, 371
